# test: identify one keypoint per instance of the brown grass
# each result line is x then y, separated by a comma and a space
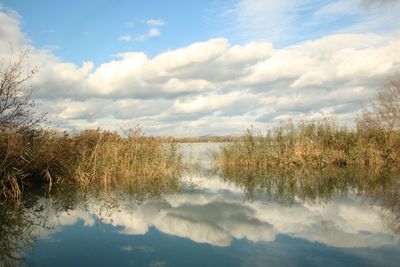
313, 145
91, 159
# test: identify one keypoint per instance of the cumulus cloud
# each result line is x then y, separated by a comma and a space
211, 86
10, 31
208, 103
99, 107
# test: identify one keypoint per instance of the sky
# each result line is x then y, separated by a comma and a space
188, 68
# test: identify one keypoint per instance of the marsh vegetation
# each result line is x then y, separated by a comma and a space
314, 145
90, 159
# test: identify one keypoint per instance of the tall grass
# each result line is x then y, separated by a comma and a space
314, 145
135, 163
91, 159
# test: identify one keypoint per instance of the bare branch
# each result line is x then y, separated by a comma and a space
16, 103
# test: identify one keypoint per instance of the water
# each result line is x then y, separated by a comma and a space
213, 221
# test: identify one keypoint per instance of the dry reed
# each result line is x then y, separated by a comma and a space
91, 159
313, 145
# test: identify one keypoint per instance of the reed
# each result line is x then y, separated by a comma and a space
313, 144
135, 163
92, 159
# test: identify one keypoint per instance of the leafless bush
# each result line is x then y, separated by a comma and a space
17, 107
388, 104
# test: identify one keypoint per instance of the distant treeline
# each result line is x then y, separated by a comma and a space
205, 139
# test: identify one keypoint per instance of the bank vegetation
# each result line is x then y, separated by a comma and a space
373, 143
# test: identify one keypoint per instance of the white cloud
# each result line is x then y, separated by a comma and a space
210, 102
194, 54
10, 32
175, 85
98, 108
151, 33
155, 22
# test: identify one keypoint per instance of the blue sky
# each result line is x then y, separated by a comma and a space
203, 67
90, 30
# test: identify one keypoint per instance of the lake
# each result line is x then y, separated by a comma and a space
211, 221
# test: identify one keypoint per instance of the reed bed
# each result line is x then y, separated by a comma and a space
313, 145
91, 159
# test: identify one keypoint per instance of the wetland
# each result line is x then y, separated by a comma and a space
215, 216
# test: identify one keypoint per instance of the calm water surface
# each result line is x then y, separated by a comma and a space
211, 222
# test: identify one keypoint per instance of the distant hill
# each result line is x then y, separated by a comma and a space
208, 138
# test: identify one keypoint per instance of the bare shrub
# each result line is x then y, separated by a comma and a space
17, 108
